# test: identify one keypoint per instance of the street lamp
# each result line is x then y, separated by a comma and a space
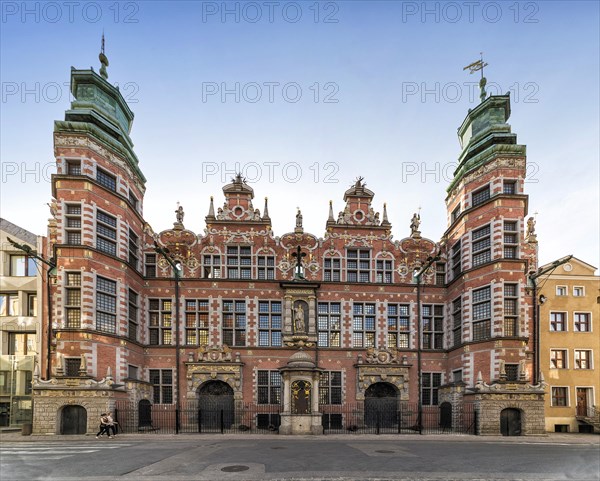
50, 272
177, 269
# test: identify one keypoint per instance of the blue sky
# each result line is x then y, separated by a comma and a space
371, 88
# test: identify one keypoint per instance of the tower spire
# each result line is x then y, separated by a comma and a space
474, 67
266, 209
385, 220
103, 60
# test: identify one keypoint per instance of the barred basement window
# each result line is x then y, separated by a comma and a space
581, 322
132, 327
133, 249
269, 323
162, 385
106, 305
358, 265
73, 300
72, 366
268, 385
456, 259
239, 262
329, 322
440, 274
363, 325
266, 268
509, 187
211, 266
480, 196
560, 396
106, 233
431, 381
482, 313
558, 321
160, 316
234, 323
197, 322
457, 321
150, 265
398, 326
332, 269
330, 387
107, 180
482, 244
73, 224
511, 303
433, 326
73, 167
511, 240
384, 272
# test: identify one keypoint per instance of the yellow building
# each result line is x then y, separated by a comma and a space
569, 300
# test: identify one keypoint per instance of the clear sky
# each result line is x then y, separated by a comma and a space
305, 96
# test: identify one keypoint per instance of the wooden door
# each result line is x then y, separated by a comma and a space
582, 401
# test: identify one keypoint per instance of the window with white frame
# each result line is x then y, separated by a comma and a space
329, 324
73, 224
358, 265
384, 270
269, 323
560, 396
583, 359
196, 322
558, 321
561, 290
332, 269
363, 324
558, 358
22, 266
398, 326
578, 291
581, 322
211, 266
265, 267
239, 262
482, 246
511, 240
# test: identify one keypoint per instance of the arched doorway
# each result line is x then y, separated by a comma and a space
381, 405
215, 406
510, 422
144, 414
446, 416
73, 420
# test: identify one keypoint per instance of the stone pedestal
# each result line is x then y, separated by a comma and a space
301, 424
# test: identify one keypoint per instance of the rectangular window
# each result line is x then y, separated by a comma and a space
358, 265
132, 372
561, 290
234, 323
22, 266
332, 269
511, 240
197, 322
363, 325
429, 392
211, 266
583, 359
133, 200
398, 326
457, 376
266, 268
107, 180
239, 262
457, 321
31, 305
558, 321
384, 272
482, 313
440, 273
456, 259
511, 312
269, 323
160, 319
455, 214
9, 304
328, 324
132, 328
106, 305
512, 372
162, 385
581, 322
73, 224
73, 300
106, 233
480, 196
482, 246
433, 326
268, 384
72, 366
133, 249
560, 396
509, 187
558, 358
73, 167
150, 265
578, 291
330, 387
22, 343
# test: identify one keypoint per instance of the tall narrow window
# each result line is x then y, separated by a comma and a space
440, 273
266, 268
456, 259
107, 180
330, 387
480, 196
73, 224
160, 318
268, 384
398, 326
384, 271
511, 240
511, 304
329, 321
455, 214
106, 305
433, 326
239, 262
31, 305
482, 313
162, 385
196, 322
234, 323
363, 323
331, 269
73, 300
211, 266
430, 385
132, 328
457, 321
269, 323
358, 265
133, 200
133, 249
150, 265
482, 244
106, 233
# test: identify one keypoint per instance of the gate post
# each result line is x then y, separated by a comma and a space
199, 420
222, 427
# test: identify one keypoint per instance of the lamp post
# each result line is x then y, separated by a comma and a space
176, 277
50, 272
417, 275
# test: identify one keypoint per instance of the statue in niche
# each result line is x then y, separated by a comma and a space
299, 324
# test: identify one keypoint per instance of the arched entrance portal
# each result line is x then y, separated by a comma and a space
510, 422
381, 405
144, 414
73, 420
215, 405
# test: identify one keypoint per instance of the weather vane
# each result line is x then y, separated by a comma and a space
475, 67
